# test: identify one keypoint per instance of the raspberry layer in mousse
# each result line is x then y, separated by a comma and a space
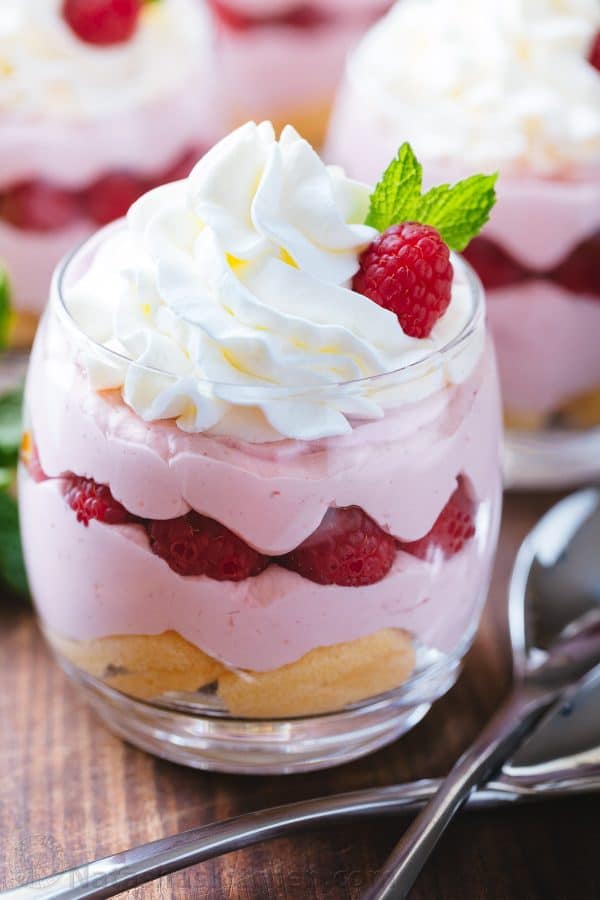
282, 59
261, 463
472, 85
99, 101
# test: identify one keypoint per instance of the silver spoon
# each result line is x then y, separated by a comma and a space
549, 764
558, 572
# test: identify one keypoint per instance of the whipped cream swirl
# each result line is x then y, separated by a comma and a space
229, 296
47, 71
486, 82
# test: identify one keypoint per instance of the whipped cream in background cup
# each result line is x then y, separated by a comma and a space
205, 365
282, 59
510, 86
86, 128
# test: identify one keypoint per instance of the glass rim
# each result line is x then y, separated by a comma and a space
475, 320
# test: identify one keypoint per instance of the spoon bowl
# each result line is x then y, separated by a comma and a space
556, 578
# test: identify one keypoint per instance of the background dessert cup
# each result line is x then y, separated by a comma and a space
86, 127
287, 575
503, 105
282, 59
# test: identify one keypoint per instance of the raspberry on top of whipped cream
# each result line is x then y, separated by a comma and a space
228, 298
510, 84
103, 22
59, 59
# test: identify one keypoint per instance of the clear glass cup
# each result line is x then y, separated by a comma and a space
538, 259
274, 672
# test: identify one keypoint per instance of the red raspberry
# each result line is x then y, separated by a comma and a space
304, 15
94, 501
230, 17
580, 272
594, 56
196, 545
495, 267
454, 526
407, 270
102, 22
348, 548
38, 206
110, 197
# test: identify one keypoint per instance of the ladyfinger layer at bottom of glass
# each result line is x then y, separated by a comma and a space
323, 680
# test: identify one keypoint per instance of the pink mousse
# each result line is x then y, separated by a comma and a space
401, 470
548, 344
74, 155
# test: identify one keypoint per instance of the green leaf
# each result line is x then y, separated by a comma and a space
12, 566
459, 212
5, 308
10, 426
7, 478
398, 189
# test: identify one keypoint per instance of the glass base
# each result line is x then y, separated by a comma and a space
170, 727
544, 460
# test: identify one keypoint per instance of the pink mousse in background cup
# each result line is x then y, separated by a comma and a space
283, 59
92, 114
516, 88
258, 515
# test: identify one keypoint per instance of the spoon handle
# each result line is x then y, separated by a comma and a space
569, 659
518, 715
131, 868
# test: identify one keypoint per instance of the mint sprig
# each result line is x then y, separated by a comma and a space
12, 566
458, 212
5, 308
10, 427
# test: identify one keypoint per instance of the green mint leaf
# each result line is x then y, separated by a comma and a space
458, 211
7, 478
12, 566
397, 191
5, 308
10, 427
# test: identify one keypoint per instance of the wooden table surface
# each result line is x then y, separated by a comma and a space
70, 791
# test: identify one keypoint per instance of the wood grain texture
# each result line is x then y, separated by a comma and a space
70, 791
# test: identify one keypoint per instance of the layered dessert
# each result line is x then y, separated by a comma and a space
282, 59
99, 101
513, 87
261, 458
